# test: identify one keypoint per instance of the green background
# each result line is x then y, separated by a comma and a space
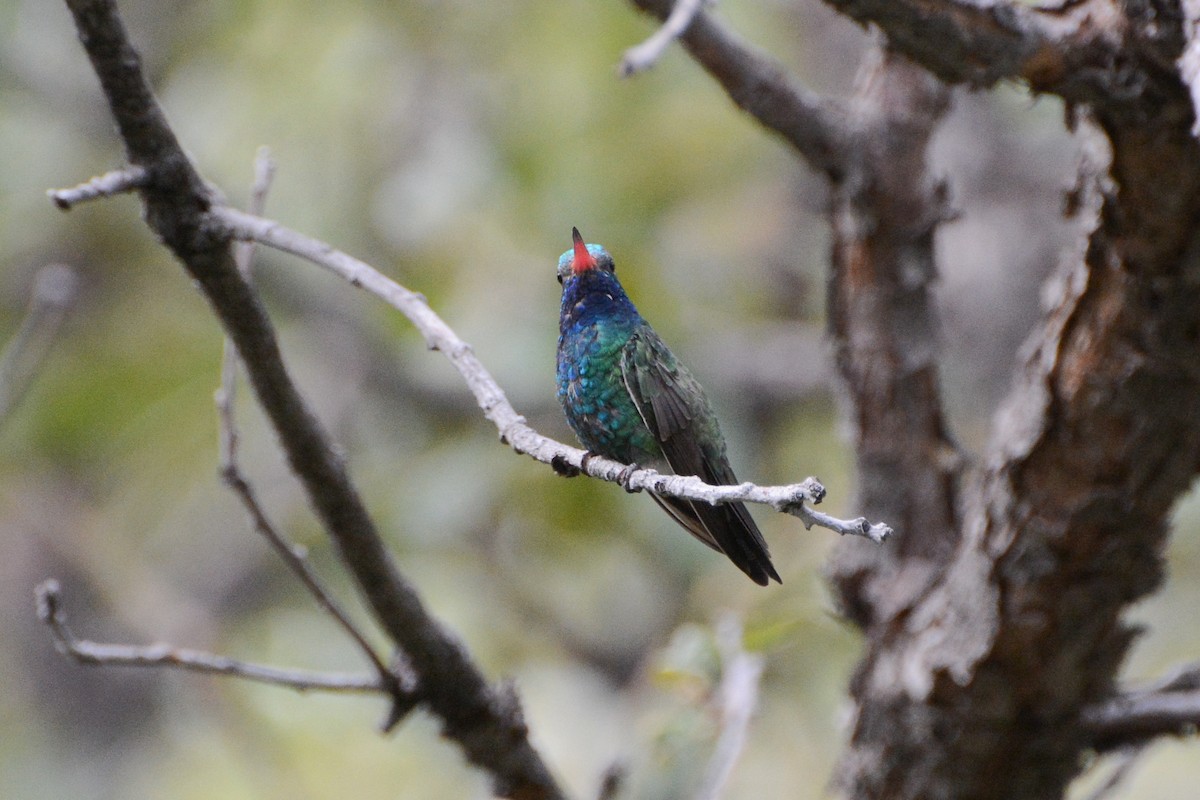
453, 145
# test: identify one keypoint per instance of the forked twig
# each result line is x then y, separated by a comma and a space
50, 611
293, 555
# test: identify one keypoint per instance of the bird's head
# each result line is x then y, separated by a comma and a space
583, 257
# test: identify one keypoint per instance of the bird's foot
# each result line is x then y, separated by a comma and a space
566, 469
623, 477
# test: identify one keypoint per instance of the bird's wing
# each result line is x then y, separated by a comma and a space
673, 407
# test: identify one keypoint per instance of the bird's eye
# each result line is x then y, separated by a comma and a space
559, 278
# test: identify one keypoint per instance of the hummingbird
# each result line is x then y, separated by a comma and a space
628, 398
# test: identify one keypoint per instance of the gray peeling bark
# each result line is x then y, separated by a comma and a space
975, 686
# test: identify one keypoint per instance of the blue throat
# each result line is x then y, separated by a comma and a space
595, 297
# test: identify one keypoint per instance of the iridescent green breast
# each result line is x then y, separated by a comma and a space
594, 397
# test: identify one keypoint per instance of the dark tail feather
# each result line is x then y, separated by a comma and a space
727, 528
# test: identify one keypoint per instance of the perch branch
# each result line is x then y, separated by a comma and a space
645, 55
50, 612
789, 498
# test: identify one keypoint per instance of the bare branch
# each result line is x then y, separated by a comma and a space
1168, 707
53, 293
119, 181
1130, 719
760, 86
738, 692
50, 612
646, 54
789, 498
1066, 50
403, 692
400, 688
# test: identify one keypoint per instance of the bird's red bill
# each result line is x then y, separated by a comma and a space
583, 260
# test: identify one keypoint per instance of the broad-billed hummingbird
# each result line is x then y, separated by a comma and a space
628, 398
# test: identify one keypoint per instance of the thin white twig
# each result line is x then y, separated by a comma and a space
296, 559
264, 172
877, 532
646, 54
126, 179
738, 692
49, 604
293, 555
790, 498
53, 292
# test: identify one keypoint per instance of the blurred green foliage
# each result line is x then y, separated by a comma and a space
453, 145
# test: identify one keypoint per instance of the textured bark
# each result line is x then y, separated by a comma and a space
975, 686
993, 619
882, 322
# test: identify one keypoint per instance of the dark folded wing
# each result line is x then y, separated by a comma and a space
674, 409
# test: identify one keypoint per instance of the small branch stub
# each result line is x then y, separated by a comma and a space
644, 56
877, 532
118, 181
